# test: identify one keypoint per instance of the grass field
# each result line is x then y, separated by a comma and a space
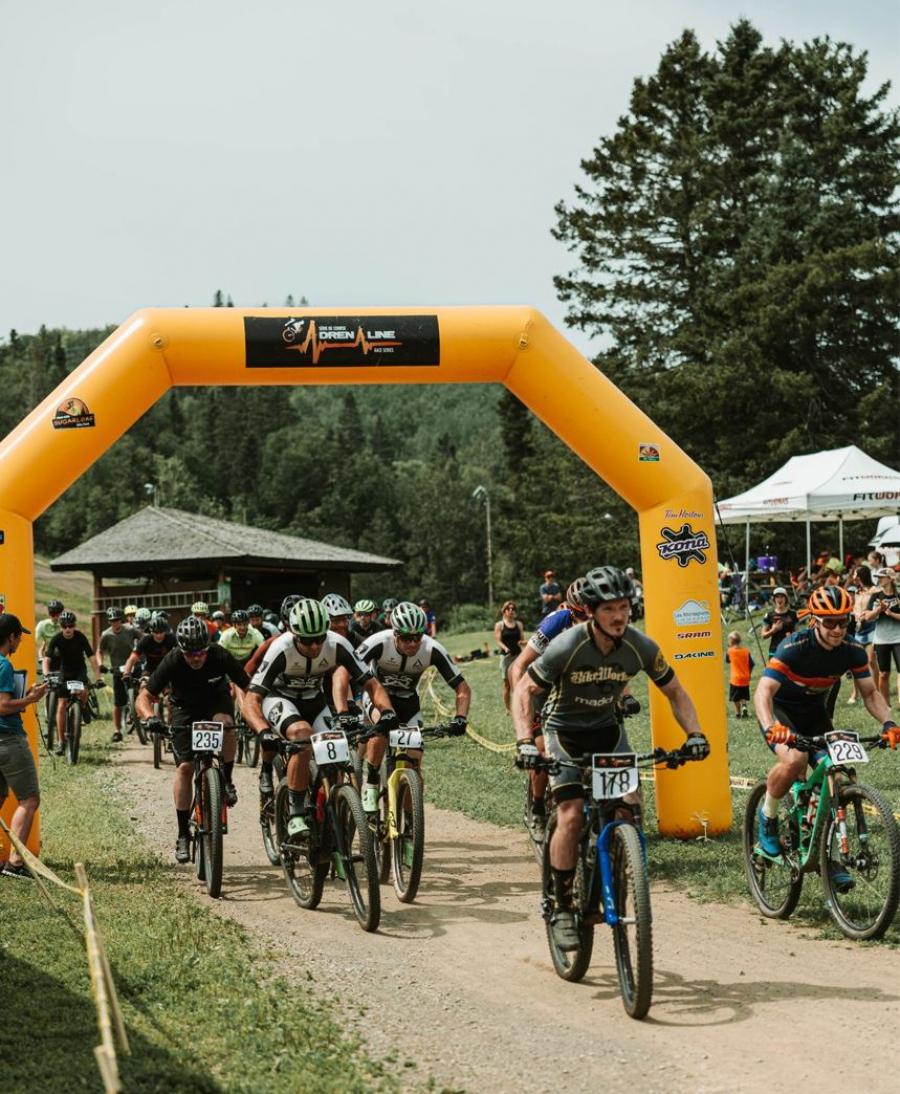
485, 785
205, 1009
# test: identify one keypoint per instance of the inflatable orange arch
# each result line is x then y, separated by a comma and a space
156, 349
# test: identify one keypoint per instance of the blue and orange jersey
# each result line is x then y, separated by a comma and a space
807, 671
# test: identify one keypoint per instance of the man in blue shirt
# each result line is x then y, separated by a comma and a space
17, 768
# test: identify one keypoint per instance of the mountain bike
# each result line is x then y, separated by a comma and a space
339, 841
209, 810
77, 712
398, 828
611, 884
247, 740
133, 722
837, 826
162, 745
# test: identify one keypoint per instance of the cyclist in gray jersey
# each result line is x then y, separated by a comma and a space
399, 656
585, 671
287, 694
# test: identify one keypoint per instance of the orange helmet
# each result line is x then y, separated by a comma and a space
830, 600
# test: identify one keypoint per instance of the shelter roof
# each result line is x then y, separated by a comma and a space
155, 536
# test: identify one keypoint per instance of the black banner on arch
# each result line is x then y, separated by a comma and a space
341, 341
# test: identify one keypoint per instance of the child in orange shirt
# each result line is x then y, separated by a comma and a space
742, 665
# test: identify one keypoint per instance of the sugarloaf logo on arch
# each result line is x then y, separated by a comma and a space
683, 544
341, 341
73, 414
692, 613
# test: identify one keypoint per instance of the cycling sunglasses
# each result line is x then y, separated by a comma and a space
316, 640
835, 622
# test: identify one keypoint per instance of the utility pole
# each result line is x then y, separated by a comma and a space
480, 494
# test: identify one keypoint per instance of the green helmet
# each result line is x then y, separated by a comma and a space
308, 619
365, 606
408, 618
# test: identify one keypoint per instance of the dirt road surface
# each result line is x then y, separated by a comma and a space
461, 981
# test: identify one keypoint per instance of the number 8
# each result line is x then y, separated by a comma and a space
332, 751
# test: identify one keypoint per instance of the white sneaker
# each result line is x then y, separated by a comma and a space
370, 798
297, 826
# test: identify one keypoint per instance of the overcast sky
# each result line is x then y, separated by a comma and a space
358, 153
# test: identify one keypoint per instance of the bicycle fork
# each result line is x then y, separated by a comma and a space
604, 858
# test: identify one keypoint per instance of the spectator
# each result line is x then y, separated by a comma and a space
742, 665
780, 622
551, 593
431, 629
884, 608
865, 629
875, 560
17, 768
509, 635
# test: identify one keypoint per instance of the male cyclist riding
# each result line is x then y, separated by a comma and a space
791, 699
586, 669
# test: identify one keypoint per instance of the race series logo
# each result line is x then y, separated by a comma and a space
73, 414
648, 453
683, 544
692, 613
332, 341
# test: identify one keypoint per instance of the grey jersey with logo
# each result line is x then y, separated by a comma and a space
287, 672
585, 683
399, 674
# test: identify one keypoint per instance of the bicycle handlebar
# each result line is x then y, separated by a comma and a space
672, 759
808, 744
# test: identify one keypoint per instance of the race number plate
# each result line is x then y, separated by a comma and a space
409, 737
331, 747
207, 736
614, 775
844, 748
75, 686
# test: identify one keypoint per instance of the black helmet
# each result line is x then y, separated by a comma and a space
289, 601
240, 616
605, 583
255, 609
67, 619
112, 614
158, 624
54, 606
192, 635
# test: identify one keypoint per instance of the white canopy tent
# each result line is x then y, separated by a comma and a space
840, 484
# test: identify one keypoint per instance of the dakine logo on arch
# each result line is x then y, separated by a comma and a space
683, 544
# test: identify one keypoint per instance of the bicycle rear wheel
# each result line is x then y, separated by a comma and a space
73, 731
408, 848
305, 880
633, 934
357, 856
50, 708
571, 965
872, 860
773, 885
211, 839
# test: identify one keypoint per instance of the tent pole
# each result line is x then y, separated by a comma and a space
841, 535
747, 557
808, 551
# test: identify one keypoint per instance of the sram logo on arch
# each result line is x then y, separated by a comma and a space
341, 341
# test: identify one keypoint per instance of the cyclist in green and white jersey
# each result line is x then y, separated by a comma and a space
48, 628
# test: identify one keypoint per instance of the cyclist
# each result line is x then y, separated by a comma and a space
585, 670
67, 652
116, 645
200, 610
130, 611
430, 617
364, 622
48, 628
256, 658
287, 695
266, 629
387, 606
198, 673
341, 615
791, 696
220, 621
142, 619
399, 656
241, 640
151, 648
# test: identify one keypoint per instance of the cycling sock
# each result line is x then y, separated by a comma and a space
539, 806
770, 806
227, 768
297, 802
373, 774
184, 821
562, 887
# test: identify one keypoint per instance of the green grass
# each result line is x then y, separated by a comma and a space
462, 775
205, 1010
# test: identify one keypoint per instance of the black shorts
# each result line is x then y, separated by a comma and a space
738, 693
120, 692
884, 653
806, 721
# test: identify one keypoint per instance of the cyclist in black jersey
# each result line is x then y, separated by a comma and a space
198, 673
586, 669
150, 649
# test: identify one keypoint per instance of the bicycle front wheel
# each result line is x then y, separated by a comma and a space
73, 731
268, 822
50, 716
408, 848
571, 965
862, 884
775, 887
633, 934
157, 750
251, 748
357, 854
135, 720
211, 812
